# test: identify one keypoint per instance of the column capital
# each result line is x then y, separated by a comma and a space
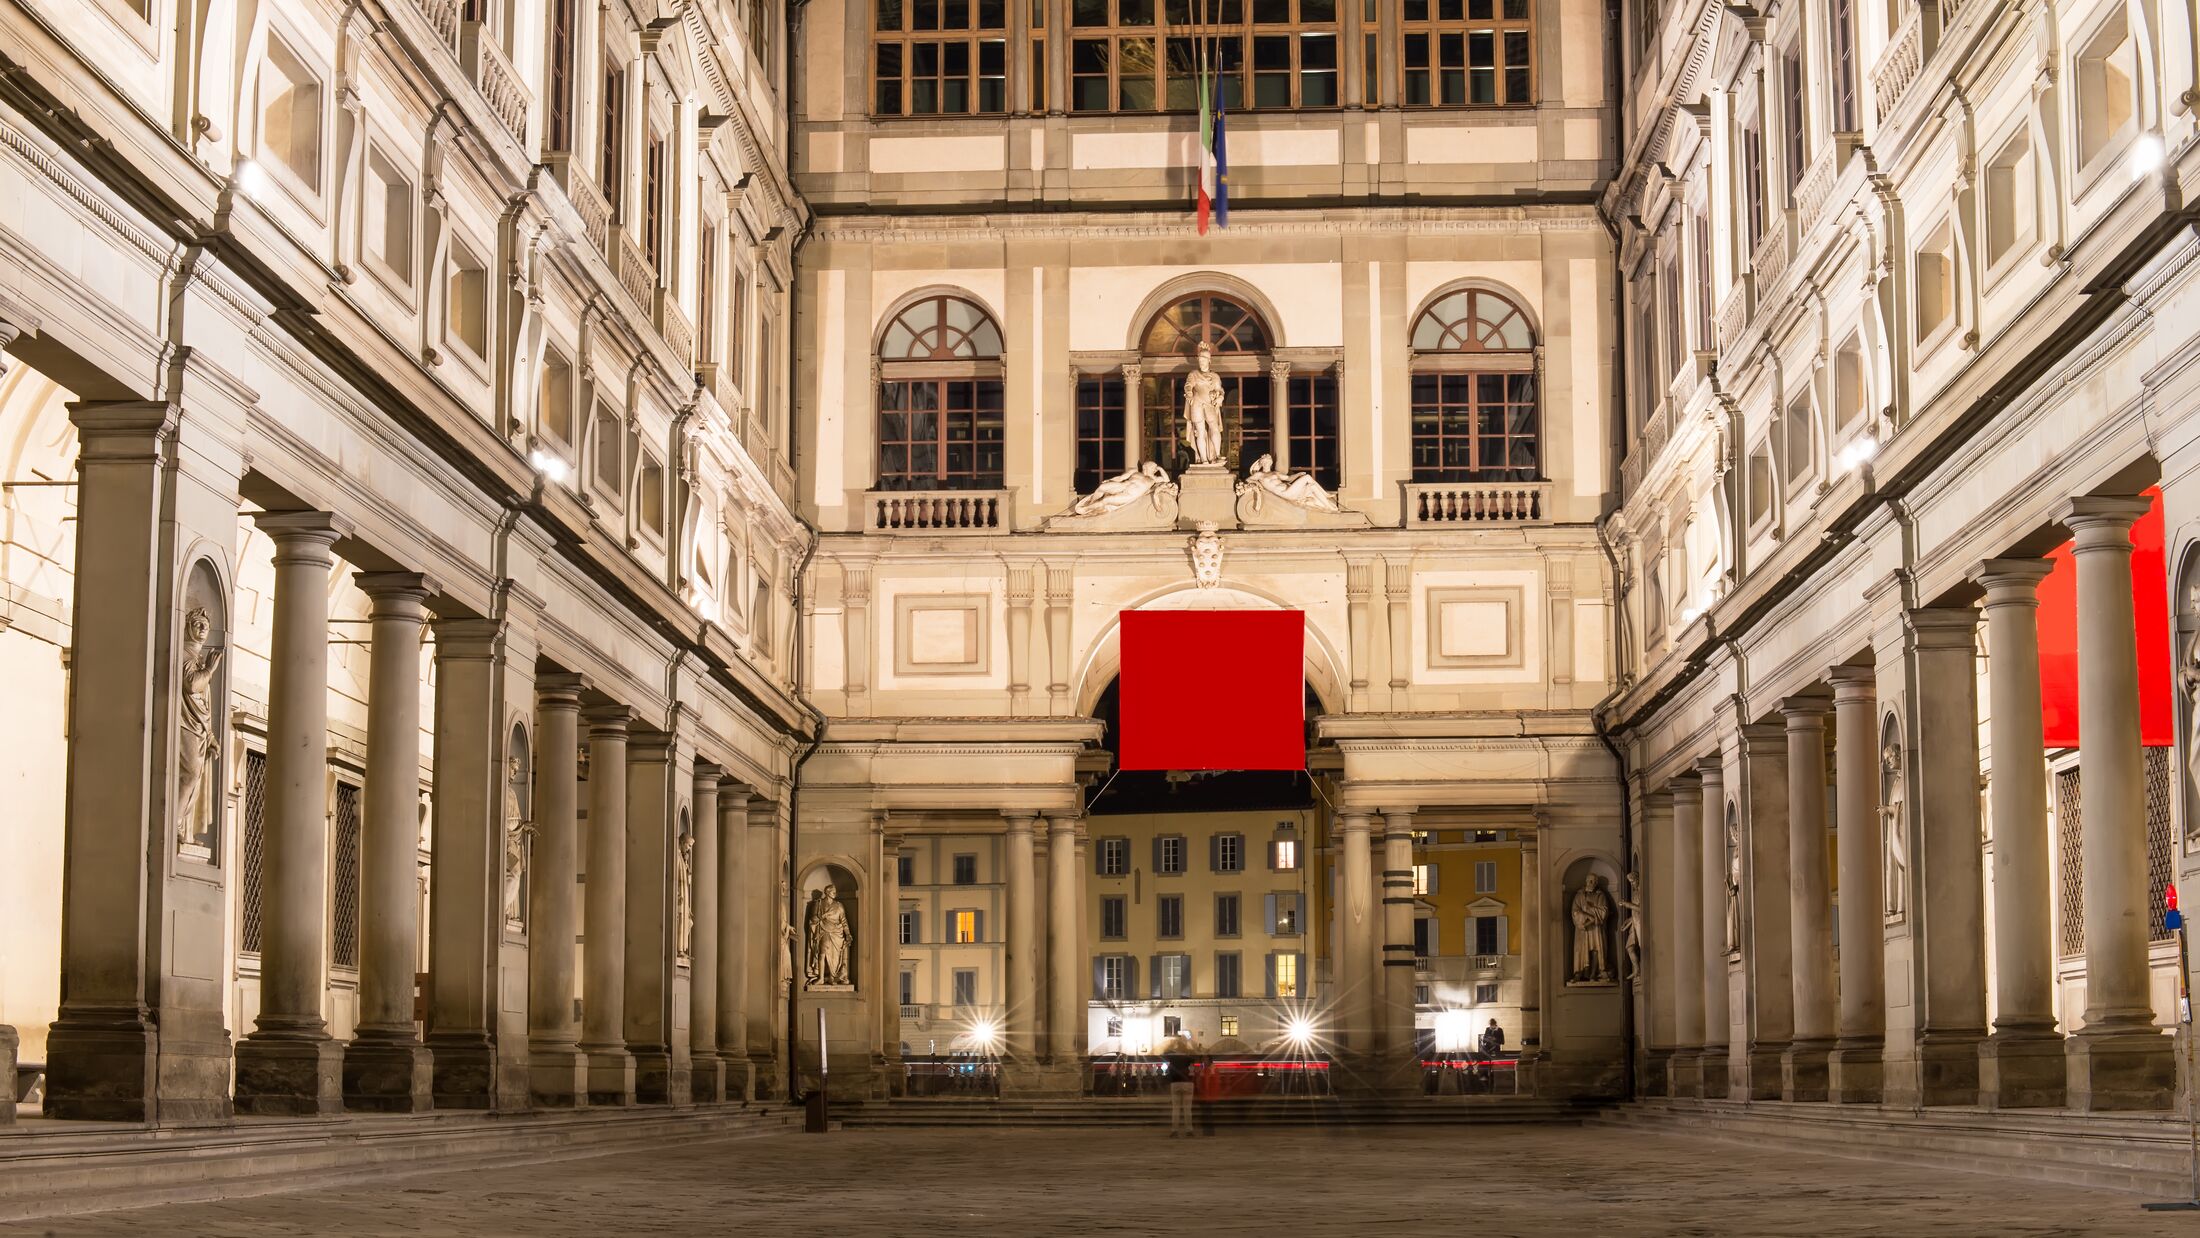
1805, 713
559, 690
1942, 627
608, 721
2094, 519
1760, 739
708, 773
1278, 371
1019, 819
1354, 820
1853, 684
464, 637
1711, 772
1687, 787
114, 424
733, 795
763, 813
303, 537
1065, 823
652, 745
399, 595
2010, 581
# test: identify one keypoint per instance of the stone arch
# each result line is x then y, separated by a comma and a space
895, 308
1478, 283
1325, 666
1175, 289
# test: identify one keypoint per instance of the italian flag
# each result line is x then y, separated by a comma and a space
1207, 182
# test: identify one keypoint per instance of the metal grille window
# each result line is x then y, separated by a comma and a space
252, 883
1100, 430
2070, 857
1467, 53
940, 398
1169, 916
1476, 413
344, 879
2160, 853
940, 57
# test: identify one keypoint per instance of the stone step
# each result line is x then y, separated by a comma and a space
2149, 1155
50, 1169
1153, 1111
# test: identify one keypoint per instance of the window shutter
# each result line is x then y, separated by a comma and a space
1501, 948
1155, 978
1157, 853
1272, 855
1433, 874
1268, 972
1099, 978
981, 925
1298, 972
1100, 857
1130, 976
1214, 853
1268, 902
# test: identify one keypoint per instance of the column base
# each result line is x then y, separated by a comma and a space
740, 1081
764, 1080
2121, 1070
1764, 1071
707, 1079
1684, 1073
99, 1070
1049, 1079
1804, 1070
1715, 1078
1947, 1068
8, 1044
557, 1077
1653, 1081
1855, 1073
388, 1076
285, 1077
2023, 1070
610, 1077
652, 1076
464, 1071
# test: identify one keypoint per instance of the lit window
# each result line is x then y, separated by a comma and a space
1485, 994
1229, 1025
1286, 852
1424, 879
1283, 914
1285, 974
965, 930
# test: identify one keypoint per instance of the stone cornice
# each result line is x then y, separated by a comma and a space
1169, 225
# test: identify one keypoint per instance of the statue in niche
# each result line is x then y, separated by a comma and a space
1592, 916
683, 893
1897, 846
1733, 886
787, 937
826, 964
1148, 481
518, 832
1630, 924
197, 747
1296, 489
2188, 678
1203, 410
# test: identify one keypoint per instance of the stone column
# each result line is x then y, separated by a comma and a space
2022, 1065
288, 1065
889, 972
1354, 988
603, 925
707, 1084
1651, 891
1951, 876
1810, 899
1022, 950
386, 1068
137, 1039
1068, 975
1685, 916
770, 965
1718, 898
649, 830
557, 1070
1853, 1071
735, 944
1769, 1008
465, 895
2118, 1059
1279, 414
1531, 945
1134, 415
1401, 1051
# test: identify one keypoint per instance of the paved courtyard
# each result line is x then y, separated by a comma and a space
977, 1183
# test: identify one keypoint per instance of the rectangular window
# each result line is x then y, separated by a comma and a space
908, 988
1229, 976
1848, 383
940, 434
1226, 853
554, 413
1935, 283
1113, 856
2011, 200
1283, 974
1424, 879
962, 928
1114, 977
1283, 854
1485, 993
1466, 53
1100, 430
1114, 917
966, 986
905, 868
654, 178
1424, 938
1474, 427
706, 294
649, 497
387, 218
1168, 854
1169, 916
611, 158
290, 115
1758, 481
940, 57
1753, 185
1841, 22
1226, 915
966, 870
1795, 149
1485, 935
1313, 437
1705, 341
608, 462
908, 927
1229, 1021
1795, 446
1485, 876
559, 133
2107, 66
1172, 976
343, 900
1283, 913
466, 312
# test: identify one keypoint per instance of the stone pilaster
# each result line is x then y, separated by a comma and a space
1684, 919
1810, 900
1401, 1051
1652, 894
1022, 949
1854, 1069
1769, 1008
1065, 957
736, 946
770, 963
1951, 875
603, 924
557, 1069
1353, 989
648, 971
1718, 906
707, 1078
386, 1068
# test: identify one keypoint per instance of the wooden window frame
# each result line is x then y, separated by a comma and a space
1101, 428
967, 404
1237, 40
902, 43
1469, 358
1509, 25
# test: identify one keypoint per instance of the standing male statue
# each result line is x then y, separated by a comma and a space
198, 749
827, 923
1592, 913
518, 832
1203, 410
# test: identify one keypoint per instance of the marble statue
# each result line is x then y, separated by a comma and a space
2188, 678
1630, 924
197, 747
1203, 410
1148, 481
826, 963
518, 832
1592, 916
1733, 887
1297, 489
787, 937
683, 893
1895, 838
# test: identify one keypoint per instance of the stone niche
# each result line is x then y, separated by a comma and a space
831, 980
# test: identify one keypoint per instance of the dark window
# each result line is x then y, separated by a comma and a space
1313, 421
1114, 917
611, 162
1791, 115
1476, 414
653, 204
1841, 16
1753, 184
1169, 916
1100, 430
908, 988
1466, 53
966, 870
1226, 915
1702, 258
1113, 856
1485, 935
940, 398
966, 987
905, 868
560, 136
252, 887
1424, 937
344, 879
706, 294
1229, 979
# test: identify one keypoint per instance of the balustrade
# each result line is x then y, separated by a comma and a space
1476, 502
937, 511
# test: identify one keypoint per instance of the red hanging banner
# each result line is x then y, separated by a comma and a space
1213, 690
2150, 612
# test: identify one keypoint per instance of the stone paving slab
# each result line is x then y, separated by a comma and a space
1579, 1183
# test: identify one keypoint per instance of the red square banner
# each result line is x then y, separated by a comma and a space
1213, 689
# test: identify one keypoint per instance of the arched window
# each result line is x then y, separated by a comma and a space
939, 398
1476, 411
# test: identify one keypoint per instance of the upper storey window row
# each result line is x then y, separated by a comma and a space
954, 57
